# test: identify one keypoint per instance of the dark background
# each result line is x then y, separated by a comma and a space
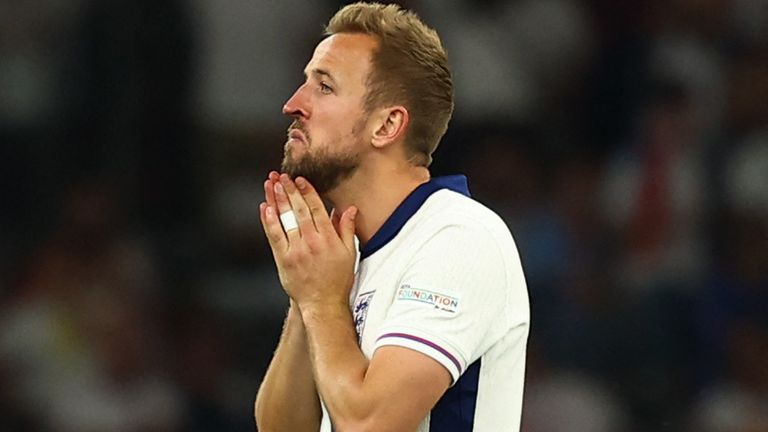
624, 142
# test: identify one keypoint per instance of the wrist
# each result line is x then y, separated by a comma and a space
323, 310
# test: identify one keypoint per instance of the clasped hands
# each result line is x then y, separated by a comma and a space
315, 262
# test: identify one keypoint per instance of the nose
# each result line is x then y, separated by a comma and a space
297, 105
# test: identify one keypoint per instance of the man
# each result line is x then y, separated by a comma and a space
427, 331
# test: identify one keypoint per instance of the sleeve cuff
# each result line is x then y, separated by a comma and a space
453, 363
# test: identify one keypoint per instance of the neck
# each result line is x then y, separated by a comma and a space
376, 194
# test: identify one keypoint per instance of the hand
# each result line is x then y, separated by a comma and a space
316, 261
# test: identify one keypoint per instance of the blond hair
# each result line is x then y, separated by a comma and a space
409, 67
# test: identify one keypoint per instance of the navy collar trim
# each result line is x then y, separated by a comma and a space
409, 206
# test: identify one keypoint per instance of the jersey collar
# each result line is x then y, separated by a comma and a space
409, 206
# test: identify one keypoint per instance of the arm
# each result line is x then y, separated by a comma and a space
287, 398
393, 392
398, 387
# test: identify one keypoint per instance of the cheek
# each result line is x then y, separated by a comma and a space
337, 126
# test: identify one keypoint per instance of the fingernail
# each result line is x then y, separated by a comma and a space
270, 211
279, 188
353, 214
300, 182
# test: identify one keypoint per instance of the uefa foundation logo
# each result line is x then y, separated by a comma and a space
435, 299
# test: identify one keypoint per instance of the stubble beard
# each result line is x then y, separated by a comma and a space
325, 171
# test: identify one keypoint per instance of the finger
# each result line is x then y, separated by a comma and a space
269, 193
269, 188
315, 203
299, 206
347, 228
283, 207
273, 230
335, 219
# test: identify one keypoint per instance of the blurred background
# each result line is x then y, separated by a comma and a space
625, 143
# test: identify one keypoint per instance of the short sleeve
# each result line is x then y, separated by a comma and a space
451, 302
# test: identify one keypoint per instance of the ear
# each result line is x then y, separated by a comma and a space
393, 122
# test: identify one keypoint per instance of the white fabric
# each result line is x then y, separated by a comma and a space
450, 285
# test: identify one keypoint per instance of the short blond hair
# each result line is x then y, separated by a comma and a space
409, 67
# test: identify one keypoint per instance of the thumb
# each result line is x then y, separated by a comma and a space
347, 228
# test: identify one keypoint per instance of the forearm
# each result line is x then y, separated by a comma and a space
287, 399
339, 366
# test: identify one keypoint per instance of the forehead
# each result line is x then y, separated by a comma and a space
346, 56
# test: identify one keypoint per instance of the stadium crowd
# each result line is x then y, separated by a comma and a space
624, 143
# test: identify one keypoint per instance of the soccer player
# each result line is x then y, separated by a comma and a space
425, 326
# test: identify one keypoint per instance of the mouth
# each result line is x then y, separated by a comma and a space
296, 134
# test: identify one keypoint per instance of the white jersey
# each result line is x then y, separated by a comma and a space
443, 277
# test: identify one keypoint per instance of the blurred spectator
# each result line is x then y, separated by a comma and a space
739, 401
204, 356
127, 116
34, 38
625, 143
739, 289
251, 59
571, 402
746, 176
561, 400
654, 196
80, 334
512, 60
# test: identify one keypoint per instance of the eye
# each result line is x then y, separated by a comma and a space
325, 88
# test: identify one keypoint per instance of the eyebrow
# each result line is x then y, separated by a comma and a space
321, 72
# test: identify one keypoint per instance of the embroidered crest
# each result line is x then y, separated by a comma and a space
360, 312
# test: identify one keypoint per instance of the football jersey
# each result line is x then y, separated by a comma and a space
443, 277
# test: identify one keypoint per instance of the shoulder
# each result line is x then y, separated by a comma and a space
457, 213
450, 225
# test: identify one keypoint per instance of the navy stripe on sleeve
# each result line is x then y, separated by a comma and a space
455, 411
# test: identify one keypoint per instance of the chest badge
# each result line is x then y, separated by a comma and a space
360, 312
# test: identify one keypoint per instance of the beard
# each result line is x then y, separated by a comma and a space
325, 171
